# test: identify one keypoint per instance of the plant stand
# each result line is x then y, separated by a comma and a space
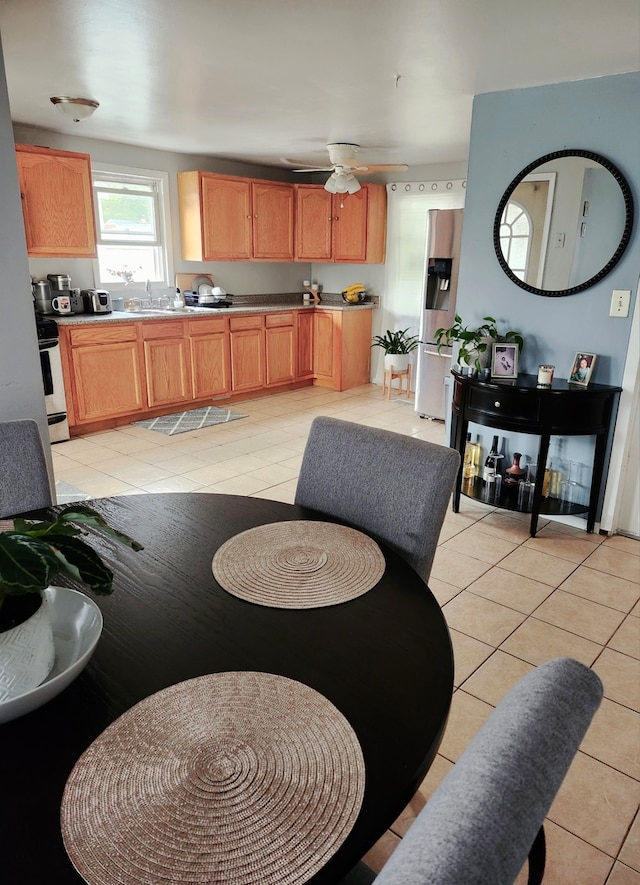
391, 373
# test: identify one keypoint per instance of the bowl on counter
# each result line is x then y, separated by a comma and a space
354, 297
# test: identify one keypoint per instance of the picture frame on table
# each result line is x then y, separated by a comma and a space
582, 368
504, 361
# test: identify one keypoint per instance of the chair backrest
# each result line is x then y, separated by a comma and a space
481, 822
394, 487
24, 481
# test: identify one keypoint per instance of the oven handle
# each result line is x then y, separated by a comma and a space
47, 377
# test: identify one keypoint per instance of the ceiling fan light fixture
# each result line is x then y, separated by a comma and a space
342, 182
353, 185
75, 108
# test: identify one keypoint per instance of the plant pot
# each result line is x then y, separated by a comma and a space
26, 653
399, 361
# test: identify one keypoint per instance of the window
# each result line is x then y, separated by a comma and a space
133, 227
515, 238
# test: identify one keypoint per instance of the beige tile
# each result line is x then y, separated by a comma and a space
504, 525
283, 492
106, 486
626, 639
377, 856
173, 484
581, 616
554, 528
539, 566
442, 591
436, 774
480, 545
620, 676
274, 474
614, 738
570, 860
596, 803
495, 677
481, 618
606, 589
467, 716
609, 559
468, 655
627, 545
520, 593
630, 852
240, 485
623, 875
456, 568
537, 642
561, 544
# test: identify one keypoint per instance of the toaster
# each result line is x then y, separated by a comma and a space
96, 300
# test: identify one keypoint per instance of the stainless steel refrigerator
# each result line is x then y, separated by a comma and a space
438, 311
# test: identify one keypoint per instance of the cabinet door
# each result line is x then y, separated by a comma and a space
57, 202
226, 218
247, 353
167, 367
350, 226
280, 348
313, 223
305, 344
323, 345
107, 380
272, 221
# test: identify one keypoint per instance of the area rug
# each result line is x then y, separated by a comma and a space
194, 419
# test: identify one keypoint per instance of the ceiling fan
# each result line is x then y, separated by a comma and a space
343, 166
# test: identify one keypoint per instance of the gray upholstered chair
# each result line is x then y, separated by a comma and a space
24, 481
486, 816
394, 487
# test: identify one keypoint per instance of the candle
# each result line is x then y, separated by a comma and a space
545, 375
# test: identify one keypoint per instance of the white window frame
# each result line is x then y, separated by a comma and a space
102, 170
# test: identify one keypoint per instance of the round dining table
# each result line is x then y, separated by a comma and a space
384, 659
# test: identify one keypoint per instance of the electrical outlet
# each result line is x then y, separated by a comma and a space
620, 303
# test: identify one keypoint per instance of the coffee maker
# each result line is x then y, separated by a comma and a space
42, 296
60, 284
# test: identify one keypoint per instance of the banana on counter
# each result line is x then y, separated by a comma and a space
355, 293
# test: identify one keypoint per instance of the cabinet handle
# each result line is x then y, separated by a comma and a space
497, 404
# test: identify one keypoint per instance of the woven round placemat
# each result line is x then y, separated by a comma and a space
298, 564
237, 778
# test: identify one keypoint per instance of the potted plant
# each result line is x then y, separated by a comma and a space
397, 347
31, 554
475, 343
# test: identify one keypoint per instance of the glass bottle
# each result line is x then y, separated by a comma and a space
515, 473
491, 462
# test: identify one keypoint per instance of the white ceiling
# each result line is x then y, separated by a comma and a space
258, 80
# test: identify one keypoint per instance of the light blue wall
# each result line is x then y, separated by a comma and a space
510, 130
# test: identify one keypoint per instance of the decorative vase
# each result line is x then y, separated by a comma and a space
399, 361
27, 653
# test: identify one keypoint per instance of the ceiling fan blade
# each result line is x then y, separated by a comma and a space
313, 169
384, 167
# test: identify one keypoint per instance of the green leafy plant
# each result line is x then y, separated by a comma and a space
34, 551
396, 342
473, 341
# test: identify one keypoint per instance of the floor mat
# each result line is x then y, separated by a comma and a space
194, 419
67, 494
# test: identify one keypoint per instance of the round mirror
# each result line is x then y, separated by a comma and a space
563, 223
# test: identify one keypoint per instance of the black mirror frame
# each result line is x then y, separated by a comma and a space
617, 255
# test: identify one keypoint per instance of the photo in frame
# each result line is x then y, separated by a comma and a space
504, 361
582, 368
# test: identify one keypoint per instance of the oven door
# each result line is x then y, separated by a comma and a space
54, 397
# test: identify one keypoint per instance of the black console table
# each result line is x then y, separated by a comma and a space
519, 405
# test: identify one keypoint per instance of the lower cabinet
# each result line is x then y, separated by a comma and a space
304, 366
167, 364
209, 350
107, 375
280, 348
247, 352
342, 348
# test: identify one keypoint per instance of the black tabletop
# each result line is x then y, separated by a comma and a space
384, 660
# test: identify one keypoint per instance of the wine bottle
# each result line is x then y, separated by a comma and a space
491, 462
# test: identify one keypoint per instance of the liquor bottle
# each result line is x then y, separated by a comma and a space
491, 462
515, 473
467, 464
476, 452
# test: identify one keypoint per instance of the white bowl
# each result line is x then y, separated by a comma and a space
77, 625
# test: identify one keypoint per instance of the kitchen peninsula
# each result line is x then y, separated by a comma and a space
124, 367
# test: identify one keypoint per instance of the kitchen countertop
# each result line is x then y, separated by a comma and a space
197, 312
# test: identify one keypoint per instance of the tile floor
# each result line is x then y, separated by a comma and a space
511, 602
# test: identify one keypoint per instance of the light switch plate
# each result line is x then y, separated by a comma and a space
620, 303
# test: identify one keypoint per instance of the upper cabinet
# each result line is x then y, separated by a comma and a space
224, 218
57, 202
341, 227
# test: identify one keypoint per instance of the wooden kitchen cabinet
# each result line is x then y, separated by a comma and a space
57, 202
167, 363
210, 356
106, 371
342, 348
227, 218
305, 344
280, 348
246, 334
348, 228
